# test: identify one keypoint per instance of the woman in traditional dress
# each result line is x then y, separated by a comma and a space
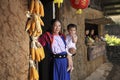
60, 61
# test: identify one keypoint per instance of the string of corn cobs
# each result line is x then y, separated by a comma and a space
34, 29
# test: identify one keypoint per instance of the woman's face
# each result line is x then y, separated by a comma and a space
56, 27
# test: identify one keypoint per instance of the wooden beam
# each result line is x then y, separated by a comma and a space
99, 21
114, 13
110, 1
112, 8
113, 3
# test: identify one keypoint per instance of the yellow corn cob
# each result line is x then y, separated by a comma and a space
30, 31
38, 33
36, 6
41, 9
41, 53
37, 23
41, 22
38, 26
37, 55
33, 26
33, 53
35, 74
28, 25
32, 6
34, 33
31, 73
33, 11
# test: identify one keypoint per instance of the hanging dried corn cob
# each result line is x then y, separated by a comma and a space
37, 52
33, 27
32, 6
37, 7
41, 9
33, 71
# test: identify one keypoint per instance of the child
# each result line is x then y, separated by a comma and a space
71, 38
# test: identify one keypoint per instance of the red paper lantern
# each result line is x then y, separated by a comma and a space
79, 4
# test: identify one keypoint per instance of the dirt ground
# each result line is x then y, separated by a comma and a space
107, 71
114, 73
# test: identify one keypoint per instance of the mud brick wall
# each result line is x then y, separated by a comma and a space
14, 41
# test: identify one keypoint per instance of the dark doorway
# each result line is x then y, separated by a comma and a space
43, 65
48, 9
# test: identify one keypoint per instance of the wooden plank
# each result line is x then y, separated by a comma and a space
110, 1
112, 8
99, 21
112, 13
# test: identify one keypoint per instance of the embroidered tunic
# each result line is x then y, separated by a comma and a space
56, 44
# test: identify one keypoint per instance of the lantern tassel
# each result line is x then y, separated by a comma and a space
79, 11
59, 2
58, 5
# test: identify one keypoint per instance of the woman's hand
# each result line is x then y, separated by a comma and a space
70, 63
